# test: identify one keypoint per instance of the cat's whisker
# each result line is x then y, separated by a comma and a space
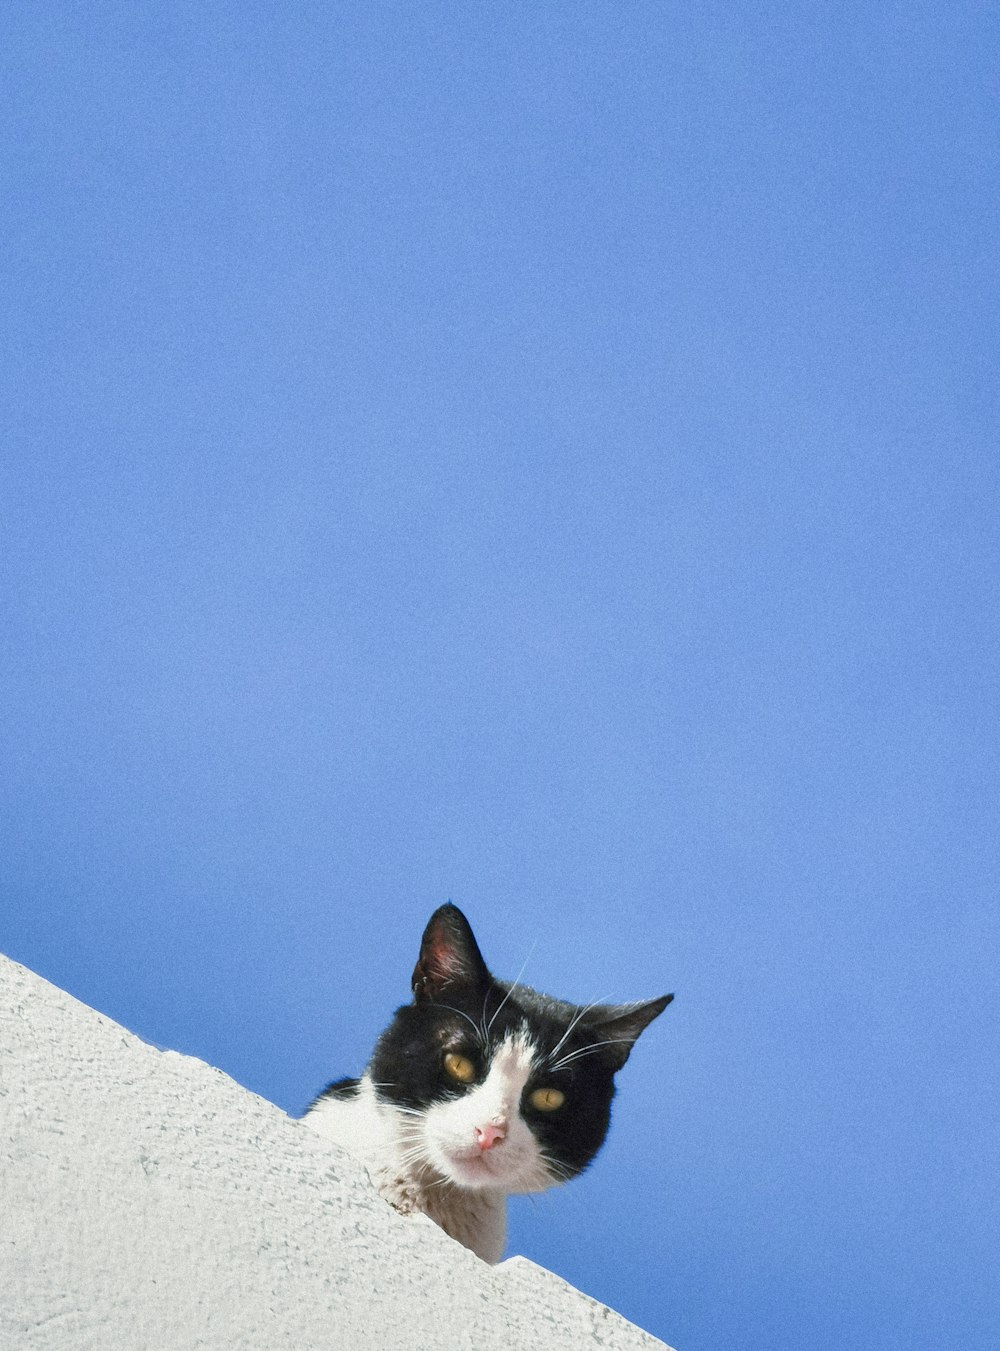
439, 1182
478, 1030
578, 1016
484, 1029
512, 988
592, 1049
415, 1155
578, 1054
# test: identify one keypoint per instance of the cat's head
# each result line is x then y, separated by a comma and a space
500, 1087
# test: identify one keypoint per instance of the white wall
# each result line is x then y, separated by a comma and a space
148, 1201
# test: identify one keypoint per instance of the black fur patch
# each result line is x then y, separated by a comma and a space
341, 1088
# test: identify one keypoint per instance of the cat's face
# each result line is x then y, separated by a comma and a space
499, 1087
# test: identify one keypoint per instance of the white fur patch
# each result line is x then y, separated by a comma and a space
514, 1163
430, 1161
362, 1125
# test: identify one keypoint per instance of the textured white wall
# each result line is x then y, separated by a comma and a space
148, 1201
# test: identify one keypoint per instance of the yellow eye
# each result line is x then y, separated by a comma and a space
459, 1067
547, 1099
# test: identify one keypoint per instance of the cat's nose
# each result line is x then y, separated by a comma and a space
489, 1135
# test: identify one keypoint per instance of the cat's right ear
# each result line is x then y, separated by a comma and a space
619, 1025
449, 956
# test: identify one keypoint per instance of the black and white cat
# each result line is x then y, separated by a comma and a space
478, 1089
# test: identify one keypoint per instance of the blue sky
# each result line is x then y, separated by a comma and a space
543, 457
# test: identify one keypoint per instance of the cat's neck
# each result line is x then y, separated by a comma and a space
476, 1219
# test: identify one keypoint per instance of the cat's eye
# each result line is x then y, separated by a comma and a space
547, 1099
459, 1067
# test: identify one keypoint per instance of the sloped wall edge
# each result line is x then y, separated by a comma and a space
150, 1201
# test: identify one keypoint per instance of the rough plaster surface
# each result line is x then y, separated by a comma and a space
149, 1202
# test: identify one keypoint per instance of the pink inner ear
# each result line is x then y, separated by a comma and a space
442, 957
448, 954
439, 964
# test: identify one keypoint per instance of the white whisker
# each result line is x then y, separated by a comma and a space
592, 1049
513, 987
580, 1014
478, 1030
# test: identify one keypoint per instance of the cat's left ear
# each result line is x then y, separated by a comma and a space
619, 1025
449, 956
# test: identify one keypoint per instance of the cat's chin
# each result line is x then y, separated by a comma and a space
477, 1172
472, 1170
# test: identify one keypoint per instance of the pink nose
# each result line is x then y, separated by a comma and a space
489, 1135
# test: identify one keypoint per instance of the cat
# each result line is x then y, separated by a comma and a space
478, 1089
